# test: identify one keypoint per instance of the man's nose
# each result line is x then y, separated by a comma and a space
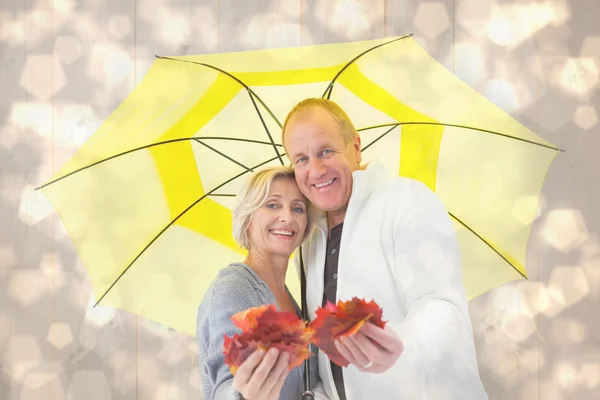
316, 168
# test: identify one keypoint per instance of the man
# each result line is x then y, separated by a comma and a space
391, 240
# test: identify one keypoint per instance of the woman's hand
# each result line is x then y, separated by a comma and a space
261, 376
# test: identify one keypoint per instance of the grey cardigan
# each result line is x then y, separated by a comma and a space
236, 288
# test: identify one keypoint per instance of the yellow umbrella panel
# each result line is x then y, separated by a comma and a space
147, 200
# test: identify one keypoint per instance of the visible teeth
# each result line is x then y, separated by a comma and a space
276, 232
320, 185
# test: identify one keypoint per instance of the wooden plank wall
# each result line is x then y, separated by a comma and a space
65, 65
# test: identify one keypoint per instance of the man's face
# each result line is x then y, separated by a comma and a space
323, 162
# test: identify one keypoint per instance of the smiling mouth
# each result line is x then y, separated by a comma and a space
281, 233
324, 184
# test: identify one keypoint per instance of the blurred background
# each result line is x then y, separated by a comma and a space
65, 65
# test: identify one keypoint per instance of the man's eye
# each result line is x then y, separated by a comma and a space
300, 160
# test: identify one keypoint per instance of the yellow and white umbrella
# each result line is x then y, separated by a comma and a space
147, 199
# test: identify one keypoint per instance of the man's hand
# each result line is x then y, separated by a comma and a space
262, 376
371, 349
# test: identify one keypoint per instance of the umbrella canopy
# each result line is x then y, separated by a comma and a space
147, 200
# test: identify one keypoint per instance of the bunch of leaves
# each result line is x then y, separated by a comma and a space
263, 328
342, 321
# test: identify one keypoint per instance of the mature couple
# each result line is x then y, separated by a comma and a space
363, 233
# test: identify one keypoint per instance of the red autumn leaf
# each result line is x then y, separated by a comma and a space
262, 328
341, 321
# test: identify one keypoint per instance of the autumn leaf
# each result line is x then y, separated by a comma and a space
263, 328
341, 321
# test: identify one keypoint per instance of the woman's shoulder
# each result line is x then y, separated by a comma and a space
235, 277
234, 286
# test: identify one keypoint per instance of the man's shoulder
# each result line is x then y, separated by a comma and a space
403, 188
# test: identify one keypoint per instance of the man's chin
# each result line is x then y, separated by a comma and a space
327, 206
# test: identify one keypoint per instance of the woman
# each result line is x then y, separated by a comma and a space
271, 219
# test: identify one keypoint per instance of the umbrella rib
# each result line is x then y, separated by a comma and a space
330, 86
173, 221
394, 126
238, 80
147, 147
224, 155
464, 127
487, 243
266, 128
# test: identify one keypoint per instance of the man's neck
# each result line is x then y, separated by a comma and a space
335, 218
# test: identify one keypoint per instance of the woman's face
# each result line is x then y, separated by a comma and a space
278, 225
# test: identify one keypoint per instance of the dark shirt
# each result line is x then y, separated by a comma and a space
329, 293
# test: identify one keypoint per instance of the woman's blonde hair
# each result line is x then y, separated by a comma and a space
253, 195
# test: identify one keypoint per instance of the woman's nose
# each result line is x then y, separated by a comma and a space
285, 217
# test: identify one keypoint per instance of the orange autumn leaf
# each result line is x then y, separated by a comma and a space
341, 321
263, 328
247, 319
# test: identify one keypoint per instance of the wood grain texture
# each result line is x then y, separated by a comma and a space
341, 21
66, 65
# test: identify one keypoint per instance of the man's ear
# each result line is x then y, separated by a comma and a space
357, 149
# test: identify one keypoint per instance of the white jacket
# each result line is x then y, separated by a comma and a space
399, 248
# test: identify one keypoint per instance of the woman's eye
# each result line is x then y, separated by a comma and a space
299, 209
271, 205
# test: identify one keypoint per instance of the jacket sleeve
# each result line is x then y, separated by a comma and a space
229, 295
428, 269
315, 378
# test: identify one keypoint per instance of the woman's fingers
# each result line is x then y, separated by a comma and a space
276, 378
276, 391
255, 385
246, 369
262, 375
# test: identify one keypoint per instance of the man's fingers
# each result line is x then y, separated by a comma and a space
349, 350
344, 351
385, 338
357, 352
371, 350
246, 369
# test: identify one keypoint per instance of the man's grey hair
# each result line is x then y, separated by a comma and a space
253, 195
